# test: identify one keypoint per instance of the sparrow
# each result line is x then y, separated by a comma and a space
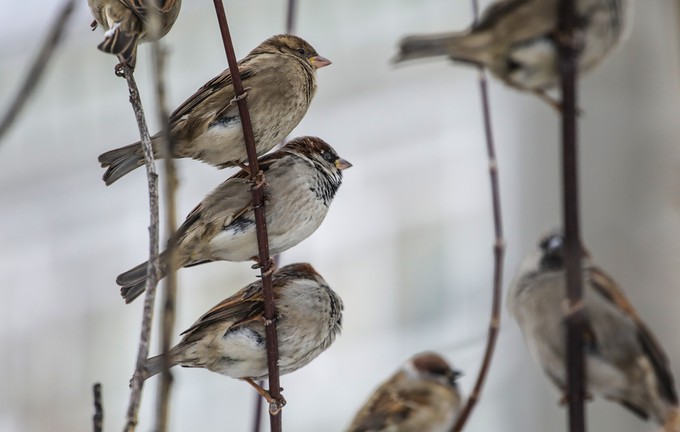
279, 77
230, 338
127, 24
422, 396
302, 178
624, 361
517, 40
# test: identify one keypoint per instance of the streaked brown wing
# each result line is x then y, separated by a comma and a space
608, 288
246, 305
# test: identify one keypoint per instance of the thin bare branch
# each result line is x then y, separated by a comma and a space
98, 417
35, 73
265, 263
574, 318
498, 249
137, 381
169, 294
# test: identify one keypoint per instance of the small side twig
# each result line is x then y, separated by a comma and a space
575, 360
169, 294
498, 248
137, 381
98, 417
260, 222
35, 73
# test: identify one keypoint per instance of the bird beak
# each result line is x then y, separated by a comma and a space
319, 61
342, 164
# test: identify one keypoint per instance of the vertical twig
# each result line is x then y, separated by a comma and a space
574, 318
35, 73
169, 295
265, 263
98, 417
137, 381
498, 249
290, 29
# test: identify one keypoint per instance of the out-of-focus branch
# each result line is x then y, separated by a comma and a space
35, 73
574, 318
98, 417
137, 381
265, 263
169, 295
498, 249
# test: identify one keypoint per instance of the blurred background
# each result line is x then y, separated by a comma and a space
408, 240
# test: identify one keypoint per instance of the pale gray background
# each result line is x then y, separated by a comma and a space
407, 242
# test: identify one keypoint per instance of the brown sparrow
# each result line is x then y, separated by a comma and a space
302, 179
126, 24
516, 40
230, 338
280, 79
624, 361
422, 396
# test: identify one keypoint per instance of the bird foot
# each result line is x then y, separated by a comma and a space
275, 404
242, 95
564, 400
93, 25
119, 70
259, 181
269, 268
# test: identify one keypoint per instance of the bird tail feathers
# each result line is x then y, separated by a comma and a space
122, 44
465, 47
121, 161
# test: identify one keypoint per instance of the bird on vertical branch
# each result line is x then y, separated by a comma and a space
280, 79
516, 41
624, 361
229, 339
303, 177
127, 25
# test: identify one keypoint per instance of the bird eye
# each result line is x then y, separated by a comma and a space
330, 157
301, 51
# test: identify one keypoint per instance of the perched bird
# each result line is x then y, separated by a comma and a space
422, 396
624, 361
517, 40
280, 79
302, 179
230, 338
127, 24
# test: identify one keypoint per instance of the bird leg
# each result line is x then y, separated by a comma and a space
274, 404
269, 268
242, 95
564, 400
557, 105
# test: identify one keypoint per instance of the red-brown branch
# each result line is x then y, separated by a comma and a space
257, 178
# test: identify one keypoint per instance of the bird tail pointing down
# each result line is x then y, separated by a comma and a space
133, 282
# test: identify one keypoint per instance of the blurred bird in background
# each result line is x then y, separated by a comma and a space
422, 396
279, 76
624, 361
517, 40
127, 23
